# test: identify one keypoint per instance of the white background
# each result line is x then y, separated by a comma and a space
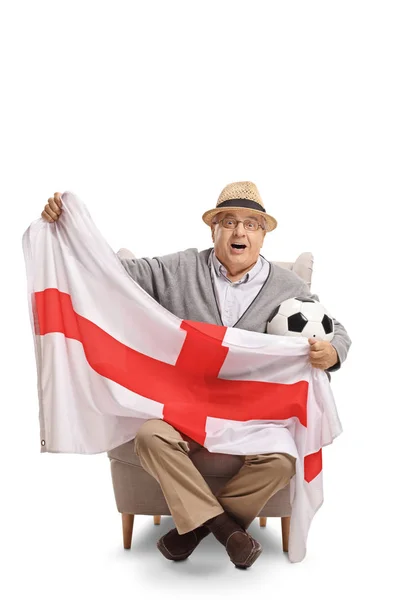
146, 110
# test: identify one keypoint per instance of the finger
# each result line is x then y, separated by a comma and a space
318, 365
50, 211
46, 217
316, 345
317, 353
54, 206
57, 198
315, 348
317, 359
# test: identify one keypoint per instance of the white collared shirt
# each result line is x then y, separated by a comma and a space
234, 298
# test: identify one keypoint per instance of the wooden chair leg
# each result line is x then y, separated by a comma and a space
127, 528
263, 521
157, 519
285, 521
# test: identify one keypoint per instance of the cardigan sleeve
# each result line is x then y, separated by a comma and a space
341, 340
155, 275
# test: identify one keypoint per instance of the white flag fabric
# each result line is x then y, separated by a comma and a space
109, 357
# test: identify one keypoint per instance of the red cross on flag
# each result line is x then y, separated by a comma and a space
109, 357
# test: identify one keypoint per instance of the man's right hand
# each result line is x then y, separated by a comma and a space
53, 209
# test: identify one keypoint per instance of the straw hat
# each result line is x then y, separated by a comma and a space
237, 196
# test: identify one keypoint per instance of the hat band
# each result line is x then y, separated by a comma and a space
241, 203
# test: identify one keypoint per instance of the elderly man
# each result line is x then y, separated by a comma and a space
231, 285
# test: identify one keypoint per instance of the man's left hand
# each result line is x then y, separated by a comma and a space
322, 354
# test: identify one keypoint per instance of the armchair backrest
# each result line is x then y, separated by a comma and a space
302, 266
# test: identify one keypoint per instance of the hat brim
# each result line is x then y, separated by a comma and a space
209, 215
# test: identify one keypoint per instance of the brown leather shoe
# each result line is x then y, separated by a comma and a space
242, 552
178, 547
242, 549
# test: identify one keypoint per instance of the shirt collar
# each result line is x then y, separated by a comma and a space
221, 270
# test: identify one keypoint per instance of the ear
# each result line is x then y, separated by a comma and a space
262, 241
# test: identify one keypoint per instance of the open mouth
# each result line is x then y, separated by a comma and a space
238, 248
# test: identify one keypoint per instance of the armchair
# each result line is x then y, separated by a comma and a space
138, 493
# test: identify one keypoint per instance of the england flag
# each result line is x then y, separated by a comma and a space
109, 357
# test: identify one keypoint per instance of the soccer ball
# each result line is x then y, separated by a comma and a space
301, 317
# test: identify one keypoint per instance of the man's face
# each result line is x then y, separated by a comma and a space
237, 260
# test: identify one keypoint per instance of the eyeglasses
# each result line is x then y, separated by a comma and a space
248, 224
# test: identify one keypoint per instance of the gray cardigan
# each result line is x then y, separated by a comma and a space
181, 282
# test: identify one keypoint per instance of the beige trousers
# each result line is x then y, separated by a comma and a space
165, 454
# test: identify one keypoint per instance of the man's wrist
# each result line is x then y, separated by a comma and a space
336, 365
